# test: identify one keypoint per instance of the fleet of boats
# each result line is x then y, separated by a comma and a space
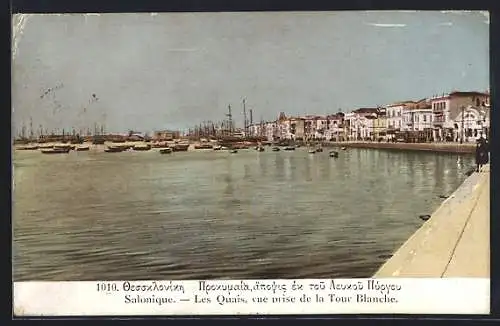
164, 148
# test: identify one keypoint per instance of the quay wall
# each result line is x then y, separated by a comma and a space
454, 242
453, 148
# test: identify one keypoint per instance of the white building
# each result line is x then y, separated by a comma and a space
334, 129
310, 127
271, 130
394, 115
359, 123
473, 122
418, 116
446, 108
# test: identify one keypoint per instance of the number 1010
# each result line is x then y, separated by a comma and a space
107, 287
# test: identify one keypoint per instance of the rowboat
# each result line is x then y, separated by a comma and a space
28, 148
203, 146
180, 147
142, 147
56, 151
82, 148
166, 150
114, 149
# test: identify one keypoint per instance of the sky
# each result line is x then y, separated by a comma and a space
148, 72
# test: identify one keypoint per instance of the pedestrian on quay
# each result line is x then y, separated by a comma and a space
481, 153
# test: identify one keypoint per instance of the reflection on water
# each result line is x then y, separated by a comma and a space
89, 216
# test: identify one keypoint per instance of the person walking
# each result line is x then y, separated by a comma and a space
481, 153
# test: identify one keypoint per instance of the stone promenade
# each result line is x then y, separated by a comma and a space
454, 242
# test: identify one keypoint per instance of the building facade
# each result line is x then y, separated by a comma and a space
380, 125
473, 122
447, 108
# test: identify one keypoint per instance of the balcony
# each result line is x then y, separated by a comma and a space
438, 120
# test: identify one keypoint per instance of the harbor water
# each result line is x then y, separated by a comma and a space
217, 215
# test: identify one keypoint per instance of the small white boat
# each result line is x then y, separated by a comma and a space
82, 148
56, 150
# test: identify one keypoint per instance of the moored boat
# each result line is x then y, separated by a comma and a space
56, 150
260, 149
203, 146
64, 146
146, 147
276, 149
180, 147
334, 154
166, 150
289, 148
82, 148
234, 151
114, 149
28, 148
343, 148
319, 150
217, 148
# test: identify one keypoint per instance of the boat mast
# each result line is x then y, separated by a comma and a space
23, 131
31, 129
245, 122
230, 119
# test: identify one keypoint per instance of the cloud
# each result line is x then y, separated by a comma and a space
446, 24
386, 25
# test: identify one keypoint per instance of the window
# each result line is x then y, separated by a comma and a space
425, 118
477, 102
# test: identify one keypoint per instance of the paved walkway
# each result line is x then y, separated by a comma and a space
454, 242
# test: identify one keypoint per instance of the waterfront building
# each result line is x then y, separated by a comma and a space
447, 107
271, 131
321, 128
379, 124
473, 122
165, 135
360, 123
417, 116
296, 131
394, 114
310, 126
349, 131
256, 130
335, 127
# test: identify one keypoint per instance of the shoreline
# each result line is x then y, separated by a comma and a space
451, 148
453, 242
